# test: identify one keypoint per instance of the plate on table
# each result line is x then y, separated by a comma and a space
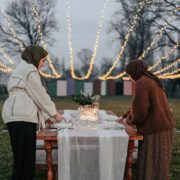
68, 118
62, 125
111, 125
109, 118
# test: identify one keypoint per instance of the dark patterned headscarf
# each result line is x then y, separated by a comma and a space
33, 54
136, 68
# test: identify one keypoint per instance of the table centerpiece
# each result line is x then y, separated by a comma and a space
88, 106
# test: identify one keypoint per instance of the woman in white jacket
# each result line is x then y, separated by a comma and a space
24, 108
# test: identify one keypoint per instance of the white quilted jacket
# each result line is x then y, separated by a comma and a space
27, 97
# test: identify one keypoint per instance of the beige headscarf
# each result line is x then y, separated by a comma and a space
33, 54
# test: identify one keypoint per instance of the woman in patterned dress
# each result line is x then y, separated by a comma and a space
152, 117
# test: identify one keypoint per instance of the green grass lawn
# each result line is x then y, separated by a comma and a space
118, 105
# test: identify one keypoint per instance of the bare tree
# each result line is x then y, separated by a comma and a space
84, 56
151, 19
162, 11
106, 65
22, 18
142, 34
166, 12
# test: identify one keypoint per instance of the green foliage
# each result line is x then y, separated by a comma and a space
85, 99
82, 99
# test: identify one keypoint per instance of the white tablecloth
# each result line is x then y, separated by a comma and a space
91, 154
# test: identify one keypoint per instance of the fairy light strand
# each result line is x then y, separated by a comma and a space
120, 75
167, 67
5, 68
165, 75
47, 75
6, 55
157, 37
122, 48
96, 44
176, 76
40, 34
14, 34
166, 56
170, 75
126, 79
157, 72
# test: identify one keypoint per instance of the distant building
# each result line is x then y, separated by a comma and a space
128, 88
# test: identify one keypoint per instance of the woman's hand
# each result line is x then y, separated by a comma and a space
130, 130
122, 120
49, 122
58, 117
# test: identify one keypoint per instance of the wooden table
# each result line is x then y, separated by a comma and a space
50, 139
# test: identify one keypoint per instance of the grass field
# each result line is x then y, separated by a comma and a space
118, 105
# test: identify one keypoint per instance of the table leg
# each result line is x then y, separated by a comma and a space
48, 145
129, 161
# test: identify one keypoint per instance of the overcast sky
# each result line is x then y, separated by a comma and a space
85, 16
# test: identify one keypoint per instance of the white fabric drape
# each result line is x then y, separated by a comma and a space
112, 154
63, 155
91, 154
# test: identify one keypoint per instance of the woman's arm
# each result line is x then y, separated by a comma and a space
126, 113
131, 130
140, 104
38, 94
122, 118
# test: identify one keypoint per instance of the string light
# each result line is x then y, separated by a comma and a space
167, 67
120, 75
166, 56
157, 37
48, 75
40, 34
6, 56
13, 32
130, 31
169, 74
176, 76
157, 72
5, 68
98, 34
126, 79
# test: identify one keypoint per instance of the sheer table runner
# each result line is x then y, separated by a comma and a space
92, 154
